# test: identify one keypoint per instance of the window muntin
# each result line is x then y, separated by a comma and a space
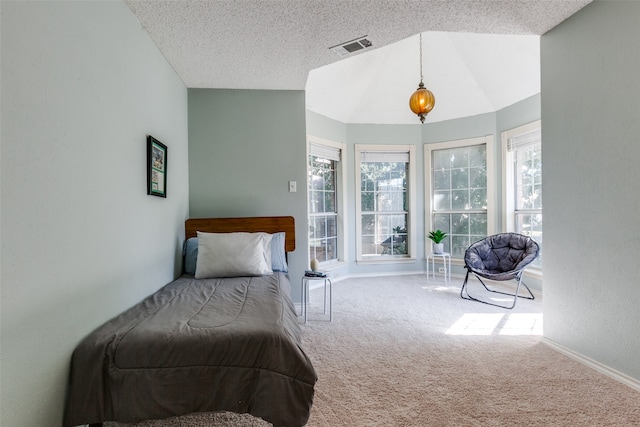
383, 199
326, 170
459, 182
460, 195
523, 161
385, 202
323, 213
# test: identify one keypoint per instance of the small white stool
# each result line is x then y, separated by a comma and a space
305, 295
446, 261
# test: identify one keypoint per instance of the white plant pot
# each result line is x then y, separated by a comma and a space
438, 248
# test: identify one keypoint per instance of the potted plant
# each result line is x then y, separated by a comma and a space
437, 236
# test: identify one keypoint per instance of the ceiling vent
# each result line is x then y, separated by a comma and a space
351, 46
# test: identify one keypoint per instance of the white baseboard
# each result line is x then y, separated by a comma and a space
612, 373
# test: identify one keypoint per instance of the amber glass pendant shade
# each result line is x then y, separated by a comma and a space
422, 102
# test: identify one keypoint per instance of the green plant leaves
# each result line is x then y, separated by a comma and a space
437, 236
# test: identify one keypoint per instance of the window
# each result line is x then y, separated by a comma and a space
323, 186
523, 182
460, 202
385, 193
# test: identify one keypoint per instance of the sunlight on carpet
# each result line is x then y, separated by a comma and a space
497, 323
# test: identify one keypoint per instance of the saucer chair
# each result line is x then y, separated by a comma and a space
501, 257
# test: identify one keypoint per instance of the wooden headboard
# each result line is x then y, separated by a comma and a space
267, 224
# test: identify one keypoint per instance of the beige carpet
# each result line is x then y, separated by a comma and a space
387, 359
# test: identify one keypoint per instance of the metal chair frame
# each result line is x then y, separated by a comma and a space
465, 291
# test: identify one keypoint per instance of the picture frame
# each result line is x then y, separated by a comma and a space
156, 167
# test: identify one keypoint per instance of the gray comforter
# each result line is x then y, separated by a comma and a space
196, 346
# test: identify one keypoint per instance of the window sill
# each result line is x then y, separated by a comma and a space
333, 265
386, 261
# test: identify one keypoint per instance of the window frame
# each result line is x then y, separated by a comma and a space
488, 141
508, 180
341, 198
411, 255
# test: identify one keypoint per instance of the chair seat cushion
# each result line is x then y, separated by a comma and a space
501, 256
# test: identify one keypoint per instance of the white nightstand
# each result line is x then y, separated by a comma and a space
305, 294
446, 261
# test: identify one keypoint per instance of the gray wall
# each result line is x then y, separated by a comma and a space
329, 128
82, 85
590, 132
244, 148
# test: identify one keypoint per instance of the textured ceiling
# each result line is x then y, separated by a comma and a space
275, 44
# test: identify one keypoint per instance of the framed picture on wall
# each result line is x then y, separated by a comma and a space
156, 167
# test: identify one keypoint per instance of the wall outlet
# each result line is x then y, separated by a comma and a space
293, 187
441, 270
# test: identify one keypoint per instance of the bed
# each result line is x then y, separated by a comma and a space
203, 343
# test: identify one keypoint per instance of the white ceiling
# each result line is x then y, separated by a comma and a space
478, 55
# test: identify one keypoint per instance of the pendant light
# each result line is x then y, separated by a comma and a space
422, 101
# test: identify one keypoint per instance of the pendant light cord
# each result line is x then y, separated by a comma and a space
421, 57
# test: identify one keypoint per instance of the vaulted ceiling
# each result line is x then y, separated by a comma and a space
478, 55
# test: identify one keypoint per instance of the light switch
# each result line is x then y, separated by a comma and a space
292, 187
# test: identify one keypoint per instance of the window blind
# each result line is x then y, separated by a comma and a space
385, 156
325, 152
529, 138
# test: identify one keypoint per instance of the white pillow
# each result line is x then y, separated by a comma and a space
233, 255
